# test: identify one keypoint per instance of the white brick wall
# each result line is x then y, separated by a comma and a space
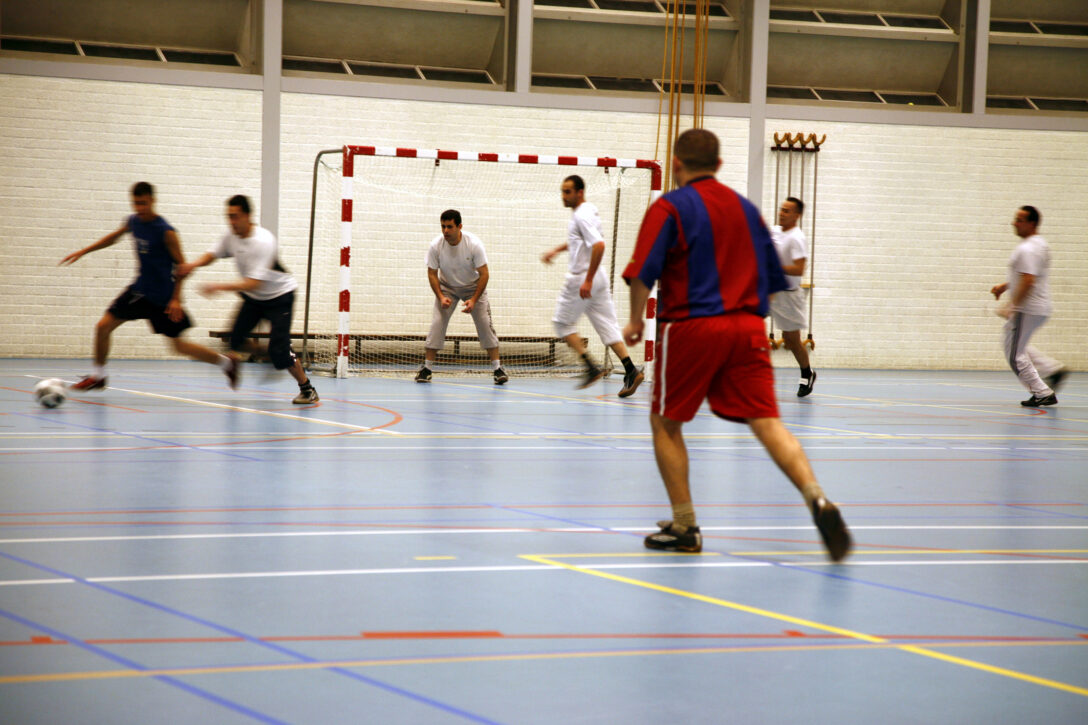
914, 227
69, 152
912, 222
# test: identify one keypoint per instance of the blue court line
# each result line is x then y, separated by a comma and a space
1060, 514
130, 664
136, 436
452, 710
835, 575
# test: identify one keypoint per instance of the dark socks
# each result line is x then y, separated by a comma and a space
806, 372
628, 366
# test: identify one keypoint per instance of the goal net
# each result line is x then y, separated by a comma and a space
375, 211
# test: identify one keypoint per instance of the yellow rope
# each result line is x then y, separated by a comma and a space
672, 74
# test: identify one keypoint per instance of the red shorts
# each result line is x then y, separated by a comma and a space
722, 358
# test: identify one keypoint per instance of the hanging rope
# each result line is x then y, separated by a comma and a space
672, 73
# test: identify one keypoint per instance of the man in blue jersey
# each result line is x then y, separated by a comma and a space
154, 295
712, 256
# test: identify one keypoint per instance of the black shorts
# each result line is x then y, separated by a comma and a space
131, 305
278, 311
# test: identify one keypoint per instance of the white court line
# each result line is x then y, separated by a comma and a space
519, 568
557, 530
288, 416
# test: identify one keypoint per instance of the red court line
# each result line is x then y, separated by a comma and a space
79, 400
495, 634
450, 507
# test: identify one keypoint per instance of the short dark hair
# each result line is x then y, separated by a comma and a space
697, 149
800, 204
578, 181
451, 215
1033, 214
242, 202
142, 188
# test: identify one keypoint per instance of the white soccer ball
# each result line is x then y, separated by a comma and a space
50, 392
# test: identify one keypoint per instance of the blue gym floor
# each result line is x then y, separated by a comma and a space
172, 551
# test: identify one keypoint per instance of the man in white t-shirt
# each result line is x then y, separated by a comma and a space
788, 306
585, 291
1028, 308
457, 272
266, 288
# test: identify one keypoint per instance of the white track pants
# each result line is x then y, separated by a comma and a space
481, 316
1030, 365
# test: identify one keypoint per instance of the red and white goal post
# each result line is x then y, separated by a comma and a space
376, 210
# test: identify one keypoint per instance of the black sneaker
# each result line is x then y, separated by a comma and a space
631, 381
832, 528
424, 375
807, 384
233, 372
589, 377
89, 382
1055, 381
690, 541
305, 397
1036, 401
500, 376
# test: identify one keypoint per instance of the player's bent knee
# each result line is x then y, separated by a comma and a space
563, 329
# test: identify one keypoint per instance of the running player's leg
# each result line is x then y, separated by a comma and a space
120, 311
602, 315
788, 313
173, 329
569, 307
1018, 331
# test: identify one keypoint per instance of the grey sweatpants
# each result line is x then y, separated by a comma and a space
481, 315
1030, 365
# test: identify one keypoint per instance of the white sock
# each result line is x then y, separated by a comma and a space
427, 364
223, 362
495, 364
98, 372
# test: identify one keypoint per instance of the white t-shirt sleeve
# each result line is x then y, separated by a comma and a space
1029, 260
587, 226
798, 250
479, 256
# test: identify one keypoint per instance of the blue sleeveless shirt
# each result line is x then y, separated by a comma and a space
155, 266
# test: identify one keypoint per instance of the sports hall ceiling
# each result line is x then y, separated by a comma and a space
820, 51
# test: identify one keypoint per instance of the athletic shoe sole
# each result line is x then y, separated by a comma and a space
629, 390
89, 383
832, 528
590, 379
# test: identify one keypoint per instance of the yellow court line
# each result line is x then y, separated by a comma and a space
1044, 682
434, 558
632, 554
288, 416
299, 666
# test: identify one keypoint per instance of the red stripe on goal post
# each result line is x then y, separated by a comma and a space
488, 157
655, 172
345, 256
568, 161
349, 162
406, 153
606, 161
345, 210
345, 300
342, 345
528, 159
448, 155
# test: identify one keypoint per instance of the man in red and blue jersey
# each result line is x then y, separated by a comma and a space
711, 254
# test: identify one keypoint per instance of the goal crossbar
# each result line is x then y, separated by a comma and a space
347, 211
